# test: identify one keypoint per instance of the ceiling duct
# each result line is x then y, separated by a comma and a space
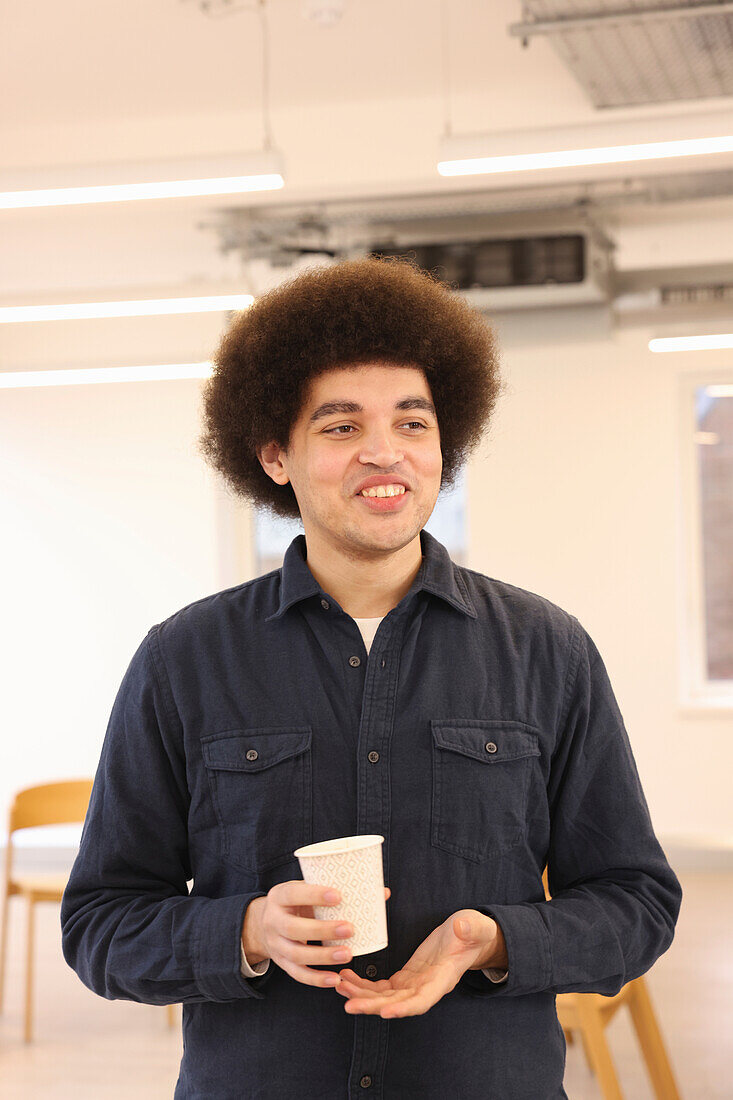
339, 227
534, 270
625, 54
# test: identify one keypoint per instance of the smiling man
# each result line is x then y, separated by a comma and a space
362, 527
369, 685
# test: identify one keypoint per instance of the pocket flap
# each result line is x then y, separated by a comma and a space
471, 736
252, 750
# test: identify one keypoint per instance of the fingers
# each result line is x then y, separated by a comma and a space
394, 1003
307, 954
297, 892
289, 924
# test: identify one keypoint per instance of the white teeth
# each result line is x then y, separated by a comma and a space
384, 491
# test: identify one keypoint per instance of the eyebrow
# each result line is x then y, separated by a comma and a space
329, 408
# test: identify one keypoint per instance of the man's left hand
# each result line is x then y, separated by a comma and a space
434, 969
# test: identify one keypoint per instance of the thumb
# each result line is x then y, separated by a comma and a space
463, 928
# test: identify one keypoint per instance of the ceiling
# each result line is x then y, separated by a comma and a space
131, 78
357, 109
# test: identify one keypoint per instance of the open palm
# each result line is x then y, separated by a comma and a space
432, 971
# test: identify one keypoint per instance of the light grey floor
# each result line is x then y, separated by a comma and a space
86, 1047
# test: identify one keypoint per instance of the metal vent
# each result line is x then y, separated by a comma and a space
686, 295
629, 52
503, 262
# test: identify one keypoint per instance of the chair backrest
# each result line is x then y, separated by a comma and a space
59, 803
546, 885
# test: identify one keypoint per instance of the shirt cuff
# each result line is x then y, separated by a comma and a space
528, 951
253, 971
495, 975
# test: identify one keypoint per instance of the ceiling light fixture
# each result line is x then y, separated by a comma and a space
83, 311
80, 377
692, 343
570, 158
230, 174
71, 186
568, 147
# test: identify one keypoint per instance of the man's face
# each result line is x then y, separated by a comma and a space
334, 449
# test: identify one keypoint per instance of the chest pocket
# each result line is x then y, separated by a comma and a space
481, 772
261, 788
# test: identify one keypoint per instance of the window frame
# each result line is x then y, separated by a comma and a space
697, 693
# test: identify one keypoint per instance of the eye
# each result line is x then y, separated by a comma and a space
337, 430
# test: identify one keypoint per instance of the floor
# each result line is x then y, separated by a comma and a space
86, 1047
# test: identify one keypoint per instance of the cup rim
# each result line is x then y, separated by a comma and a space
340, 845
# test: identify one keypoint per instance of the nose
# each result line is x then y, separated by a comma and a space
380, 448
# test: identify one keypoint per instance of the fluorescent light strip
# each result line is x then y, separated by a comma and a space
125, 192
164, 373
79, 311
568, 158
692, 343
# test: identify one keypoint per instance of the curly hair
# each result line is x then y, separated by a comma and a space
374, 309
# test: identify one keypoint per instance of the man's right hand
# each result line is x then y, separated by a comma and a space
279, 925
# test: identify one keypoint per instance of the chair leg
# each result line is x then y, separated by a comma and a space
4, 945
594, 1040
586, 1051
651, 1043
28, 1033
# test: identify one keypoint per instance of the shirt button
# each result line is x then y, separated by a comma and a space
354, 662
383, 662
365, 1081
490, 746
370, 971
252, 754
325, 605
373, 757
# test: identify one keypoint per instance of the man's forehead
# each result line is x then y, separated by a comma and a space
349, 386
331, 408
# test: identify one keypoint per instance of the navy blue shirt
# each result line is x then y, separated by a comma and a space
480, 736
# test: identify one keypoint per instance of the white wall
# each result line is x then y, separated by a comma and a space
111, 523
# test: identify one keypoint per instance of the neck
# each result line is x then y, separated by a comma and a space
366, 588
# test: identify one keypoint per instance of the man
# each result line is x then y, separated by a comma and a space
370, 685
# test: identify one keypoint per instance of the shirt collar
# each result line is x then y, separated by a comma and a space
437, 574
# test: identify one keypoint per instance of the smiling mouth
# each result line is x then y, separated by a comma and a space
382, 491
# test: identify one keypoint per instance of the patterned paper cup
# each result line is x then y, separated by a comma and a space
353, 866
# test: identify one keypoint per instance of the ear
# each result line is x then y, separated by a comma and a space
271, 457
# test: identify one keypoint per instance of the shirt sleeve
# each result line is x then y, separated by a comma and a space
254, 971
129, 927
614, 898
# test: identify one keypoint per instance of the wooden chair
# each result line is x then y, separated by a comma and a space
589, 1014
46, 804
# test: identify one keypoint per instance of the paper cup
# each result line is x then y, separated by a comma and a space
353, 866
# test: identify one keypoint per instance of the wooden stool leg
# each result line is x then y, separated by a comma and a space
651, 1043
594, 1040
586, 1051
28, 1033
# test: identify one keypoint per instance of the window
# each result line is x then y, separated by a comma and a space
708, 524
